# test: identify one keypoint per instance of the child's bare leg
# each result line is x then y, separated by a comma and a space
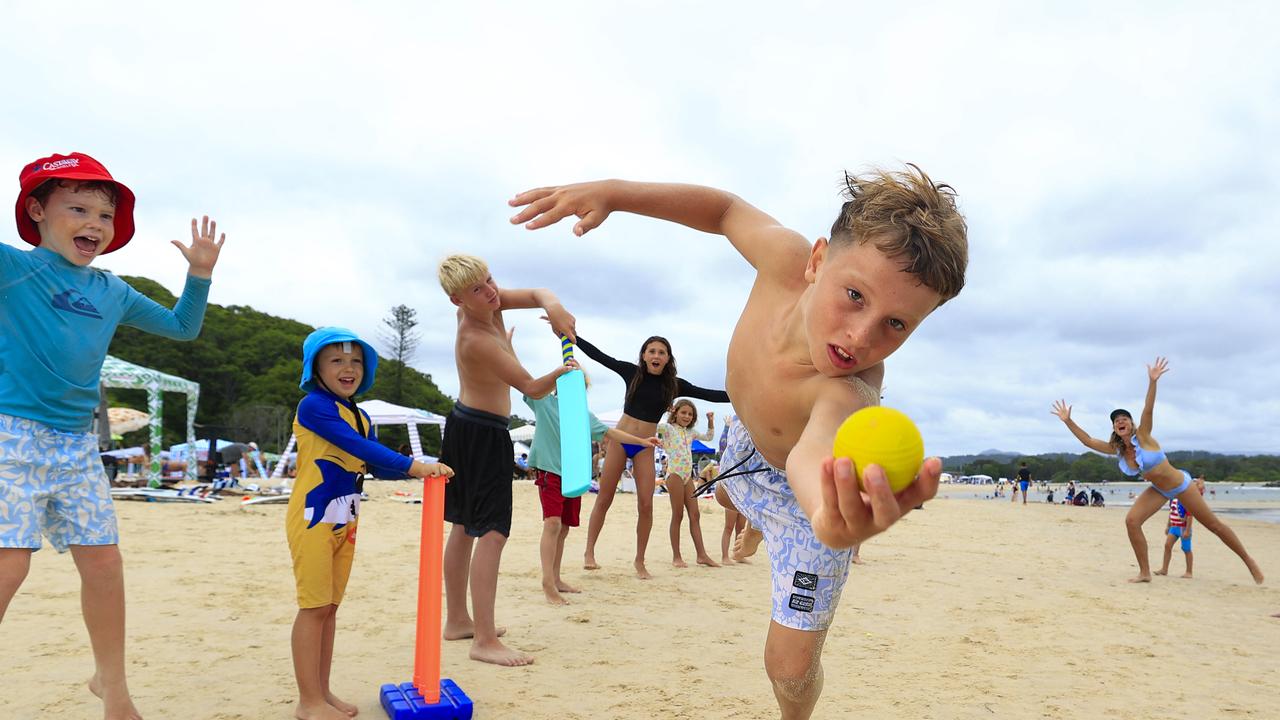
645, 481
326, 664
15, 563
1199, 509
675, 491
309, 641
486, 647
102, 604
793, 660
615, 459
1168, 554
695, 529
1187, 574
547, 548
1146, 505
561, 585
457, 572
726, 535
856, 557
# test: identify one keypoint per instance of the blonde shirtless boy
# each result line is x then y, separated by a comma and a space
477, 445
807, 352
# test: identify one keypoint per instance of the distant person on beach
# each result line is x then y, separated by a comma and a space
1178, 527
807, 351
336, 447
477, 445
560, 513
1024, 480
1140, 454
58, 320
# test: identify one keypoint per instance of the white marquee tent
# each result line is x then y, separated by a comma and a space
117, 373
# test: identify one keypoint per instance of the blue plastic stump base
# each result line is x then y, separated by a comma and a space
404, 702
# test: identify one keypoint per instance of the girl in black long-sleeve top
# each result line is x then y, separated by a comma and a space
652, 385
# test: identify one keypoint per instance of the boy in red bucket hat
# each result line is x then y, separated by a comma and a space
58, 320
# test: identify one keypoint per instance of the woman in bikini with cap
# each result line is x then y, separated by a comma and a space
1140, 454
652, 385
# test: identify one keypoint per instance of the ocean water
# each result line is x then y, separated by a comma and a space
1251, 502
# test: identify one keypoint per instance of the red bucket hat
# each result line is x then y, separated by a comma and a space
76, 166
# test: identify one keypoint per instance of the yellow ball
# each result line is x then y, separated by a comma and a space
883, 436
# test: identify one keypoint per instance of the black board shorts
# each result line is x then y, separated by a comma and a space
477, 445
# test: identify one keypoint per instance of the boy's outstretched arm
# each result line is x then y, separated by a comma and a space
842, 515
487, 352
757, 236
562, 321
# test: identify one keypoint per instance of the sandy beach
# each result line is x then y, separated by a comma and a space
969, 609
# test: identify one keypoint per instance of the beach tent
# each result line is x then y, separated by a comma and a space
522, 434
699, 449
117, 373
382, 412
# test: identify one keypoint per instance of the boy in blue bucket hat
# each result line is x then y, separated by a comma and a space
336, 446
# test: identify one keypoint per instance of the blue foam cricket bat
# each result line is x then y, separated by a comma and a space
575, 428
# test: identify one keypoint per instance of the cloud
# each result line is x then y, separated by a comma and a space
1115, 164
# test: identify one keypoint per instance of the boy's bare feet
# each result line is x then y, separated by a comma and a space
1140, 579
345, 707
589, 562
553, 596
856, 559
1186, 575
744, 546
465, 631
706, 560
679, 562
324, 711
1162, 571
565, 587
726, 560
642, 572
116, 703
499, 654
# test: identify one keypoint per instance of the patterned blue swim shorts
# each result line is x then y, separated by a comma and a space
807, 575
52, 482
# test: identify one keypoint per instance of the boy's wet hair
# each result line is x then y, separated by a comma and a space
910, 218
106, 189
458, 272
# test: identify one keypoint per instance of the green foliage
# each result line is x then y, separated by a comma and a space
1094, 468
248, 364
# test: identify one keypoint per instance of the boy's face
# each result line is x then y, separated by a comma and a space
340, 367
479, 297
862, 307
76, 224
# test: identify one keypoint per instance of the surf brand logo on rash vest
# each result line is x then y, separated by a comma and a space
73, 302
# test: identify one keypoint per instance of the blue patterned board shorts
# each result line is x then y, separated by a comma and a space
807, 575
52, 482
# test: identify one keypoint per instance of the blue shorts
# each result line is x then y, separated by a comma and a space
1177, 531
52, 483
807, 575
1024, 484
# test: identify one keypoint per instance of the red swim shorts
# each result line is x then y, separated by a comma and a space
553, 503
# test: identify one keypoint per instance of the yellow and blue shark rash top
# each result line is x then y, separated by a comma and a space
332, 455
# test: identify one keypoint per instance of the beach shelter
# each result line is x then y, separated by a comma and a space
117, 373
697, 448
382, 412
523, 434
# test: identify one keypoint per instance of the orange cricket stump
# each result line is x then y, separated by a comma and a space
428, 697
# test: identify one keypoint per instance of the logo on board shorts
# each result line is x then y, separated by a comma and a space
803, 603
805, 581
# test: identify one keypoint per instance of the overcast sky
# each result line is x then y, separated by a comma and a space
1118, 167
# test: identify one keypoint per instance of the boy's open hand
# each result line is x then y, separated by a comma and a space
848, 515
549, 205
202, 255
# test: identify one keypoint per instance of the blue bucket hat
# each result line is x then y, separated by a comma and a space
328, 336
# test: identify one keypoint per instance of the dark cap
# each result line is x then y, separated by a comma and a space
1120, 411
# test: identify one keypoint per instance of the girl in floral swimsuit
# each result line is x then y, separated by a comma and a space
677, 435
